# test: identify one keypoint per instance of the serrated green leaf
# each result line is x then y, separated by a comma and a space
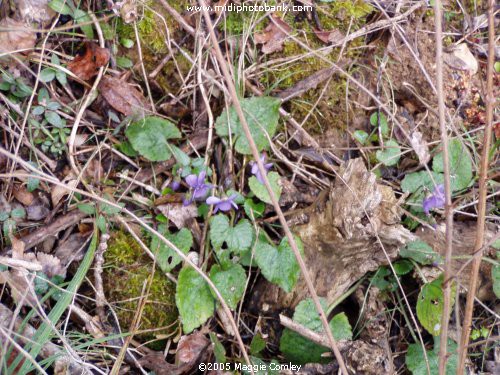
18, 213
257, 345
108, 209
127, 43
9, 226
124, 62
230, 282
81, 17
413, 182
361, 136
278, 264
300, 350
260, 190
495, 276
87, 208
127, 149
219, 350
194, 299
32, 184
38, 110
261, 114
237, 239
420, 252
61, 77
378, 118
53, 106
41, 283
402, 267
460, 165
430, 305
166, 257
4, 215
253, 209
47, 75
179, 155
415, 359
149, 137
390, 154
54, 119
60, 6
379, 279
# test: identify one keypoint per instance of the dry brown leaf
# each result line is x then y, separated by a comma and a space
23, 195
461, 58
58, 191
122, 96
87, 65
190, 347
35, 11
328, 36
51, 265
273, 37
420, 147
179, 214
39, 209
14, 35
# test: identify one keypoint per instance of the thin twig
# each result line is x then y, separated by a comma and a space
274, 200
483, 179
445, 318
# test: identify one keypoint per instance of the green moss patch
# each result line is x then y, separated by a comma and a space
126, 270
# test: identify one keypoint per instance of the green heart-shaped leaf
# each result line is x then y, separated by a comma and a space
194, 299
261, 114
278, 264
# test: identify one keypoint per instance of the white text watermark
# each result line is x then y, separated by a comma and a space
249, 8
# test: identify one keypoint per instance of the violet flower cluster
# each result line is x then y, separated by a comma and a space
255, 168
435, 200
198, 188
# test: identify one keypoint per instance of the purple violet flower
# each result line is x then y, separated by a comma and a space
199, 188
175, 185
255, 168
435, 200
224, 204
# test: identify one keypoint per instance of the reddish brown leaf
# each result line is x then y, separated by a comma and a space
122, 96
190, 347
273, 36
87, 65
328, 36
23, 195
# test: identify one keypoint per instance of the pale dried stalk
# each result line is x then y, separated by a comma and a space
483, 179
255, 153
445, 318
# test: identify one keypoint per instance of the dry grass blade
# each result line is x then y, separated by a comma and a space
255, 153
443, 356
483, 175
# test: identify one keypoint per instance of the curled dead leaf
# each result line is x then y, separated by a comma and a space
273, 36
51, 265
461, 58
122, 96
328, 36
87, 65
58, 191
190, 347
23, 195
15, 35
179, 214
420, 147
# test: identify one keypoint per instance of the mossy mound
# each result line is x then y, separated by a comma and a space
331, 111
153, 26
126, 270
